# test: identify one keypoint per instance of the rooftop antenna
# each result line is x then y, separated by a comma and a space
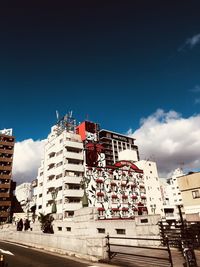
57, 115
70, 114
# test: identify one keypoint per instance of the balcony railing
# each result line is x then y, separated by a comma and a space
74, 167
73, 206
73, 155
4, 214
6, 151
73, 193
5, 185
5, 168
4, 159
5, 176
74, 144
7, 195
5, 203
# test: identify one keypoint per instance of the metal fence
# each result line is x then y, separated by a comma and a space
134, 247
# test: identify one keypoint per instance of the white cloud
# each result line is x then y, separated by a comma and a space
27, 159
193, 41
190, 42
170, 140
196, 89
197, 101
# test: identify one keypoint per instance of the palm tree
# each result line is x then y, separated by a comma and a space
46, 223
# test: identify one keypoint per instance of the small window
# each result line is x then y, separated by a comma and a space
195, 194
144, 220
121, 231
101, 230
40, 195
59, 228
68, 229
40, 206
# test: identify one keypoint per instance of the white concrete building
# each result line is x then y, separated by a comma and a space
152, 186
172, 195
60, 173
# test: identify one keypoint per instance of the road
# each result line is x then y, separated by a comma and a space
26, 257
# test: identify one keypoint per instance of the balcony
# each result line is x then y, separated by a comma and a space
74, 144
74, 167
73, 155
4, 214
6, 168
6, 151
7, 195
5, 203
72, 206
73, 193
4, 159
5, 185
5, 176
72, 179
5, 143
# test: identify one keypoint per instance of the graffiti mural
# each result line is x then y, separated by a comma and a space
117, 191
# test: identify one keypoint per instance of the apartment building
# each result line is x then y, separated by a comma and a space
6, 184
152, 186
57, 188
118, 191
172, 196
189, 186
114, 143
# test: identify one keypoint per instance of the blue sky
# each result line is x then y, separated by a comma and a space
112, 62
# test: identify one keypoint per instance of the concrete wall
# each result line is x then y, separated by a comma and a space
85, 236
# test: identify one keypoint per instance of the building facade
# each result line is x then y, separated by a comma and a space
118, 191
152, 186
57, 188
172, 196
6, 184
189, 186
114, 143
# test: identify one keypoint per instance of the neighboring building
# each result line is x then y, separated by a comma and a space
172, 196
152, 186
57, 188
6, 184
23, 193
189, 186
114, 143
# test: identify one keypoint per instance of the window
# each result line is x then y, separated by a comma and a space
59, 176
40, 206
69, 214
40, 195
59, 164
100, 198
121, 231
68, 229
59, 228
144, 220
101, 230
195, 194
